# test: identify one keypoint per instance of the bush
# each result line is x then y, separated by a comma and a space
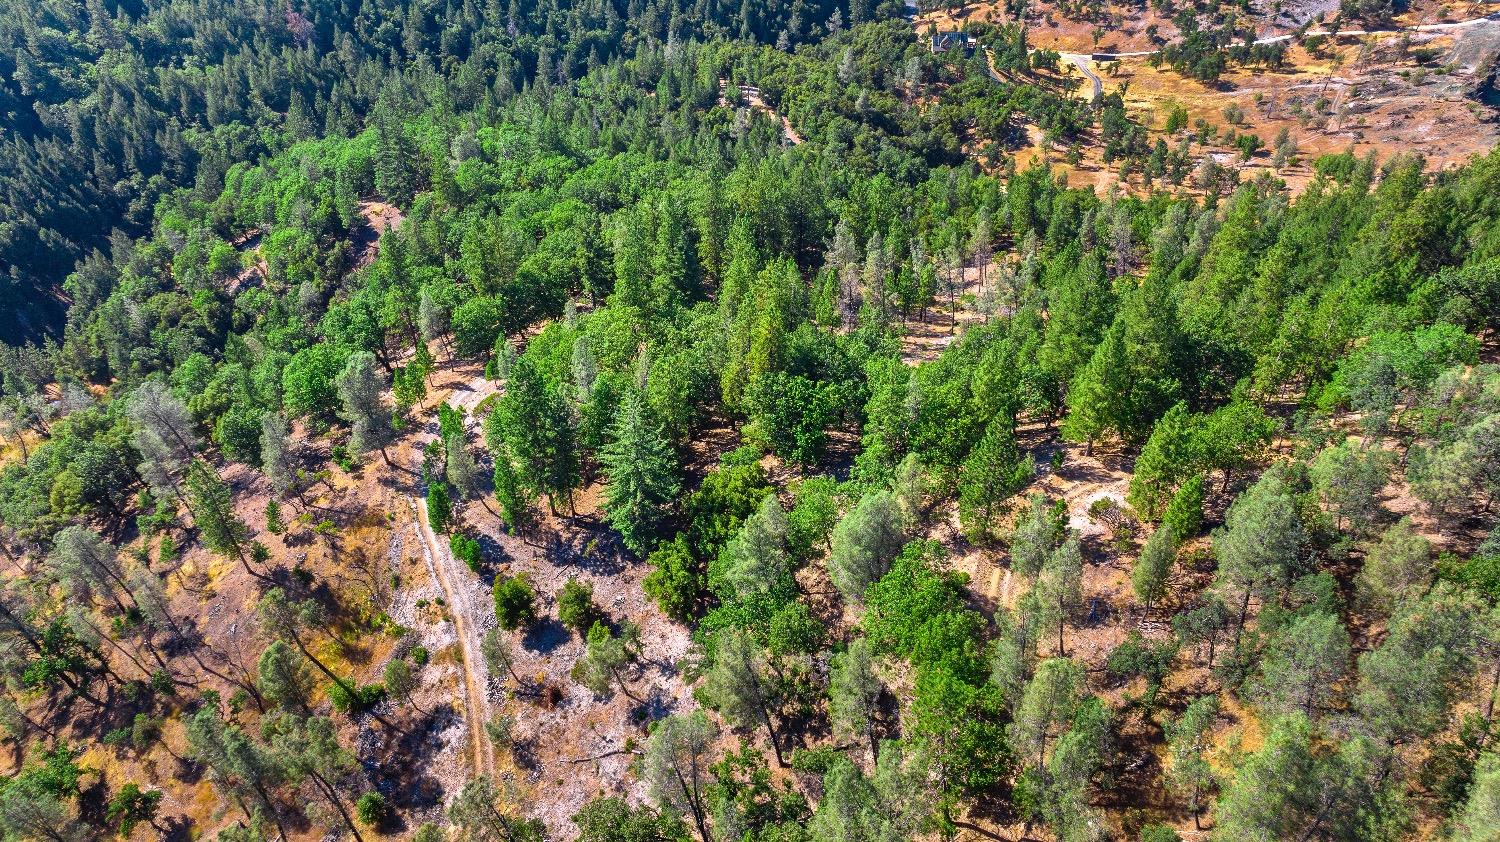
466, 549
350, 698
575, 605
372, 808
677, 580
515, 602
1159, 833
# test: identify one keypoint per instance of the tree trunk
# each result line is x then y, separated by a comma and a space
1239, 628
352, 691
338, 804
765, 716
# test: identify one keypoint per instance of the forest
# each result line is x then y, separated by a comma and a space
860, 483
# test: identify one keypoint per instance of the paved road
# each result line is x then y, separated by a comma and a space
1082, 63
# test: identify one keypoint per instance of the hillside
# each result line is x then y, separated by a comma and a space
665, 421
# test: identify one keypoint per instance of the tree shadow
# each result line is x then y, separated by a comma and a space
175, 829
657, 705
545, 636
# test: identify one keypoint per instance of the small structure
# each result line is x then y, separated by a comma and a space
942, 42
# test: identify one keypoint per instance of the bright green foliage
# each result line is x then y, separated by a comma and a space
677, 581
1095, 405
533, 424
439, 506
993, 472
372, 809
1169, 458
1184, 515
467, 550
613, 820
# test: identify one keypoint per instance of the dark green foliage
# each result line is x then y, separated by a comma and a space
515, 602
642, 469
653, 272
439, 506
677, 581
355, 699
131, 806
575, 605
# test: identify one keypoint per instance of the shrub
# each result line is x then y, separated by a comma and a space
575, 605
351, 698
372, 808
515, 602
466, 549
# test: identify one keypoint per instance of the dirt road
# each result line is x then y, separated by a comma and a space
471, 662
464, 605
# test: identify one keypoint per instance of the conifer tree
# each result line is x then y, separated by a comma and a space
1169, 457
1149, 576
1094, 396
993, 471
864, 543
642, 470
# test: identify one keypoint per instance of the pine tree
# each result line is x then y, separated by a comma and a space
642, 469
1149, 576
742, 686
277, 460
994, 471
212, 505
1094, 395
854, 693
1061, 586
1169, 457
677, 767
864, 543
